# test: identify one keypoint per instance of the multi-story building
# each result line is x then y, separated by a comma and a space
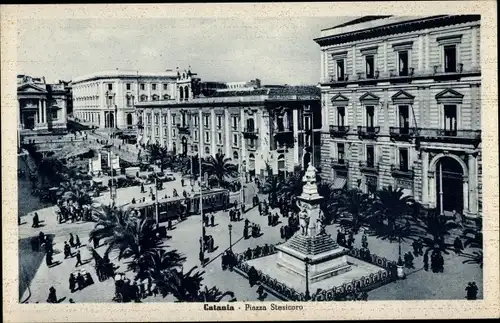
108, 99
402, 106
41, 106
265, 125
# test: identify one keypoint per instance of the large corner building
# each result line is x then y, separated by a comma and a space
401, 100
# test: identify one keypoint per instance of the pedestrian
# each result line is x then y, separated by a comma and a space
48, 259
88, 279
245, 232
80, 281
410, 261
72, 282
269, 219
440, 263
36, 221
282, 232
212, 219
52, 295
182, 182
78, 259
201, 256
67, 250
78, 244
457, 244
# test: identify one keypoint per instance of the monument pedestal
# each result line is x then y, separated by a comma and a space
323, 256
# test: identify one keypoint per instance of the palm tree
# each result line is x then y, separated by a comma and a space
157, 262
434, 228
329, 204
353, 203
213, 295
109, 220
159, 153
474, 239
292, 186
183, 286
220, 167
389, 207
271, 186
475, 258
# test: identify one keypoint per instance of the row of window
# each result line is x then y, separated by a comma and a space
142, 86
186, 118
402, 156
449, 117
449, 63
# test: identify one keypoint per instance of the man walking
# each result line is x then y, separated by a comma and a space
78, 259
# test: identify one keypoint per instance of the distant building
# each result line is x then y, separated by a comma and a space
241, 86
251, 127
401, 101
42, 107
108, 99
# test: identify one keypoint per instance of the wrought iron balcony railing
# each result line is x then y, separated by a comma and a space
402, 171
183, 128
368, 167
339, 163
280, 129
250, 133
368, 132
401, 133
445, 135
338, 131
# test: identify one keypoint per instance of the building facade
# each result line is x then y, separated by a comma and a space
272, 125
401, 105
41, 106
108, 99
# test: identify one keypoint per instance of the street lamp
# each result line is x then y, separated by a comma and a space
308, 296
230, 227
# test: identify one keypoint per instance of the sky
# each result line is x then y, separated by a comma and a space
275, 50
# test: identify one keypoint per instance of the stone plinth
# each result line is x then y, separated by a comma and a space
325, 257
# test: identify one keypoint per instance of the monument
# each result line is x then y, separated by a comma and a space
311, 258
311, 245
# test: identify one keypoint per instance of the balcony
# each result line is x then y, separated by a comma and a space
402, 171
339, 164
338, 131
183, 129
251, 147
368, 167
368, 132
283, 130
401, 133
450, 136
250, 133
140, 125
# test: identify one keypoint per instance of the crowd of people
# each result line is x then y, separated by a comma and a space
70, 211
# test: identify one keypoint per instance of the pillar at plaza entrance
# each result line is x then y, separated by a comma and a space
324, 256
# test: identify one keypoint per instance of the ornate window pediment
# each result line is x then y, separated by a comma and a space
369, 99
449, 96
449, 40
339, 100
402, 46
339, 55
402, 97
369, 50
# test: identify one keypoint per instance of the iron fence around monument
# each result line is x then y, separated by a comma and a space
338, 293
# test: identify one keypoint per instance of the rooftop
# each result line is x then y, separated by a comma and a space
124, 74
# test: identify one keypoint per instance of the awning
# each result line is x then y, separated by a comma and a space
339, 183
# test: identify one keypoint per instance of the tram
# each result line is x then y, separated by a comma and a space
171, 208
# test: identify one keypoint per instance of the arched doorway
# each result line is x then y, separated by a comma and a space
251, 166
306, 159
449, 185
184, 146
129, 119
110, 120
174, 148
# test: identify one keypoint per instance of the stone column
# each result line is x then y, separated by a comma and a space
323, 72
427, 53
242, 141
425, 177
44, 111
421, 52
169, 129
385, 56
473, 48
214, 132
39, 112
432, 188
201, 136
466, 194
295, 121
471, 164
353, 58
227, 132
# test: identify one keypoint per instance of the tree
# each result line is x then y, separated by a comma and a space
109, 220
353, 203
220, 167
473, 238
271, 186
183, 286
292, 186
329, 203
157, 262
161, 154
213, 295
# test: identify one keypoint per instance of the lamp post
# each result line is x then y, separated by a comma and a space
201, 192
230, 227
308, 296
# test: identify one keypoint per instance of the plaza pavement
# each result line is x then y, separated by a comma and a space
419, 284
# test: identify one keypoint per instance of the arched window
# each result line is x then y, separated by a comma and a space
155, 97
195, 148
251, 159
144, 98
129, 119
181, 94
166, 97
186, 92
207, 150
235, 155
